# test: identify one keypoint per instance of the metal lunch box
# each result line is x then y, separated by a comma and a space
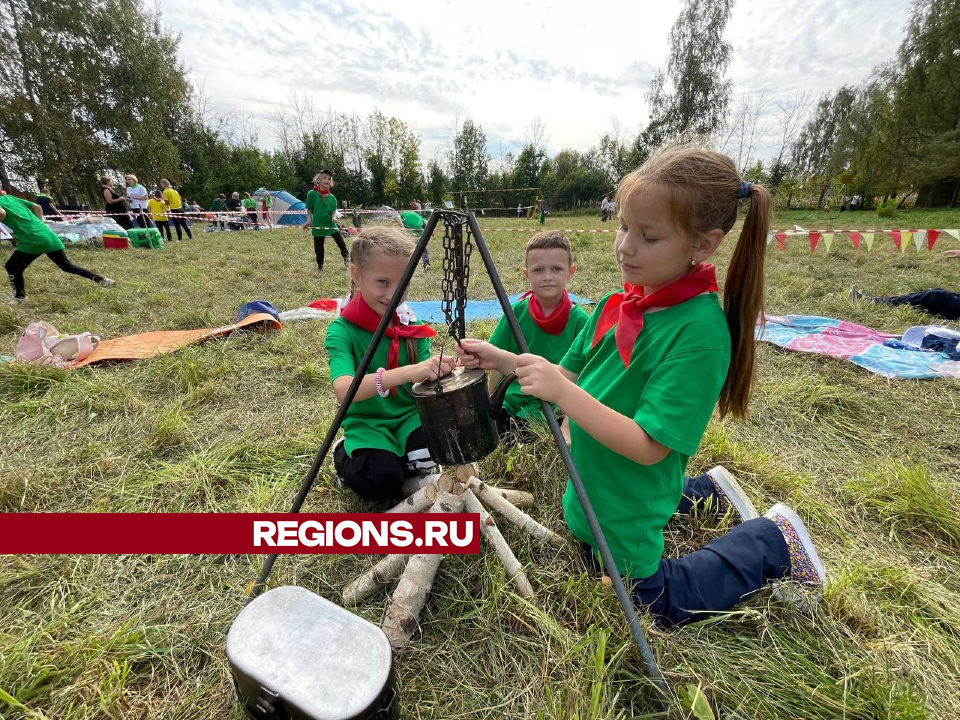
297, 656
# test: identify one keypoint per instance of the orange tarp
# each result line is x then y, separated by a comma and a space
160, 342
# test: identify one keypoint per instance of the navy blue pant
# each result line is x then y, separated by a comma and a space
938, 301
716, 577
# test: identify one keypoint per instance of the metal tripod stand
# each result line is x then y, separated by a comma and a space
636, 631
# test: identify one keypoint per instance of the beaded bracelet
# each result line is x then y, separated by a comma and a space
378, 379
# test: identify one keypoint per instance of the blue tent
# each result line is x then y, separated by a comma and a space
282, 201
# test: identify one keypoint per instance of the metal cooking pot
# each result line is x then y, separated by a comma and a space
458, 418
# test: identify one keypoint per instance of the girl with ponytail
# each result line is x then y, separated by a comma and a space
640, 383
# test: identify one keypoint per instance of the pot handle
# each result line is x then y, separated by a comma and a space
496, 400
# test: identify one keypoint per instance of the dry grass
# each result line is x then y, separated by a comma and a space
232, 426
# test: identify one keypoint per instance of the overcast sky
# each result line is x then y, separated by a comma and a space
503, 63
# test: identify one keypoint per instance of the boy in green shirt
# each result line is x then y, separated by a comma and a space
34, 239
321, 205
549, 321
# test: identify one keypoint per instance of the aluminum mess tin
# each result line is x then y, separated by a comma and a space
296, 656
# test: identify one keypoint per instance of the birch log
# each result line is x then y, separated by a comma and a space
390, 567
403, 613
492, 533
497, 502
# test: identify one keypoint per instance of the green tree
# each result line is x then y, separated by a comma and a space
468, 157
691, 93
87, 87
437, 182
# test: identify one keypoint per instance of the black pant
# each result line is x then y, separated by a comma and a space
140, 214
376, 474
252, 218
717, 576
179, 221
164, 227
938, 301
318, 248
20, 261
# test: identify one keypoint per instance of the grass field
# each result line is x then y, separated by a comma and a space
232, 425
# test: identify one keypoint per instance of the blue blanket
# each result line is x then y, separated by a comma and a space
882, 353
432, 312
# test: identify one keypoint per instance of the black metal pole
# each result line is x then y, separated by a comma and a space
311, 475
653, 669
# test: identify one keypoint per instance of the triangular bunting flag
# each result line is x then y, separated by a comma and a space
868, 238
917, 238
855, 239
905, 237
932, 236
828, 240
895, 236
814, 239
954, 233
769, 238
781, 239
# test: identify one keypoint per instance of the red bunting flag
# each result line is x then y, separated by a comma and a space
895, 236
814, 239
932, 236
855, 238
781, 240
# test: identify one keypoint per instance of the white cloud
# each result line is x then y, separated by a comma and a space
503, 63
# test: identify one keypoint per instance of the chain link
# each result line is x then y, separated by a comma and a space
456, 272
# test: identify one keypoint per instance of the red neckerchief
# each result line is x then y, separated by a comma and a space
556, 321
363, 316
625, 310
323, 193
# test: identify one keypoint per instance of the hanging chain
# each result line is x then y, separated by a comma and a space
456, 272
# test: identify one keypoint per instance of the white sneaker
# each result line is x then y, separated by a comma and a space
806, 570
13, 301
107, 283
731, 494
341, 483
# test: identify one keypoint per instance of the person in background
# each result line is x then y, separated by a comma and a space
115, 206
219, 205
938, 301
139, 197
34, 238
175, 205
413, 222
854, 202
605, 207
321, 205
250, 208
265, 202
158, 212
46, 204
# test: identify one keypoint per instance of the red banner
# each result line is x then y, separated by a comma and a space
247, 533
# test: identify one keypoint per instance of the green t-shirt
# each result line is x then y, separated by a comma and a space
412, 221
678, 367
249, 203
33, 236
552, 347
321, 211
377, 422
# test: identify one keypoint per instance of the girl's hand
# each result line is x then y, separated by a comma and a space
477, 354
430, 369
951, 253
540, 377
